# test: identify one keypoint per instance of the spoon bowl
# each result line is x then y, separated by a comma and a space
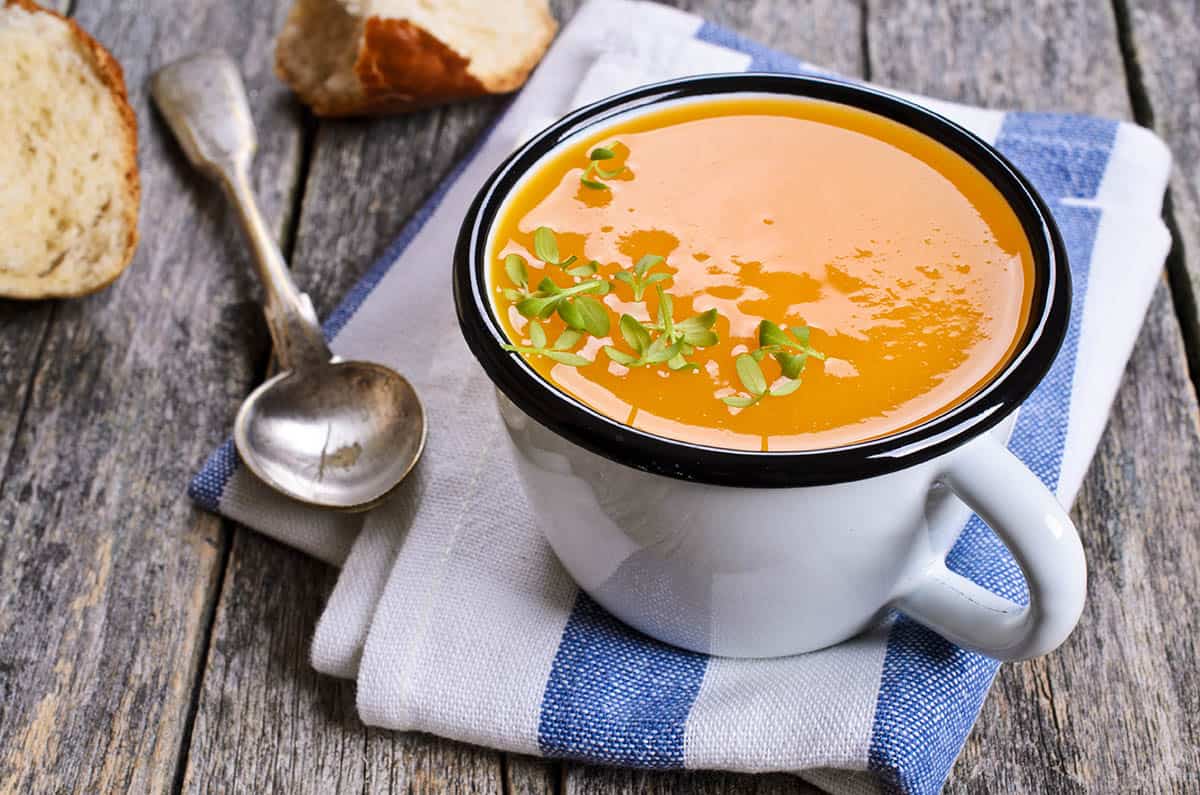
330, 433
340, 435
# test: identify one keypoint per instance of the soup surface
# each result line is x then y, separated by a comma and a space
893, 278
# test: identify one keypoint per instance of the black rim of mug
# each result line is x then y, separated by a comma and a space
584, 426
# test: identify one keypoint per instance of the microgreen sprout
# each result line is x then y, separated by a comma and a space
516, 269
593, 174
559, 351
694, 332
790, 349
648, 349
639, 278
575, 305
545, 245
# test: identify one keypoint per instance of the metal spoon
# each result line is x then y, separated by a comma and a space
330, 433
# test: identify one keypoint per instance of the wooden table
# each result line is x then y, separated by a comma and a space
147, 646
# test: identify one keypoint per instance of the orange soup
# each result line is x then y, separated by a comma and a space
762, 273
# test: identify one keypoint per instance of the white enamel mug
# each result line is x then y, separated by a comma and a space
763, 554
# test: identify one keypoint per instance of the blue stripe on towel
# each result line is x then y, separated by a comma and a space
1063, 155
931, 691
616, 696
209, 484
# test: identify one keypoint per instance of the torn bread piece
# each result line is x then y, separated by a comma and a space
359, 57
69, 188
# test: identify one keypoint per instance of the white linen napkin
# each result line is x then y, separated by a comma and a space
456, 618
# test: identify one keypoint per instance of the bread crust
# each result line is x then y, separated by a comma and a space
111, 75
401, 67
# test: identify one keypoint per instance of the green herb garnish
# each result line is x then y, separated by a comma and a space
789, 348
545, 245
649, 350
639, 278
585, 270
575, 305
593, 174
675, 341
560, 351
515, 267
755, 382
664, 341
694, 332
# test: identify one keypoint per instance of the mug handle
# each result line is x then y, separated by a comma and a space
1035, 528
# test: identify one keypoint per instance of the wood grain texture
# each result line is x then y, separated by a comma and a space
826, 33
23, 328
1116, 708
365, 180
106, 571
1042, 54
531, 775
1163, 43
267, 722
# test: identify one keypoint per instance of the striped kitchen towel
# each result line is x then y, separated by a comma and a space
455, 617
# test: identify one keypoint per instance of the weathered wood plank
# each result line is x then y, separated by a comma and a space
264, 719
528, 775
23, 328
267, 722
826, 33
1163, 41
1117, 707
1042, 55
106, 572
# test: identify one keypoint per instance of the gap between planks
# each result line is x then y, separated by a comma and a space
1182, 296
208, 621
27, 396
289, 226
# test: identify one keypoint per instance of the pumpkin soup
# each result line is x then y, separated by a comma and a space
761, 273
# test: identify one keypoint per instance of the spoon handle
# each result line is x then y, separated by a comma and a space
204, 103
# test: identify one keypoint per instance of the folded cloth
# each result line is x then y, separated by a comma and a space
456, 618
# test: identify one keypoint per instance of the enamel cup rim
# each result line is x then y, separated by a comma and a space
584, 426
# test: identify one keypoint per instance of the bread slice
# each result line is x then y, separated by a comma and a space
68, 158
356, 57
